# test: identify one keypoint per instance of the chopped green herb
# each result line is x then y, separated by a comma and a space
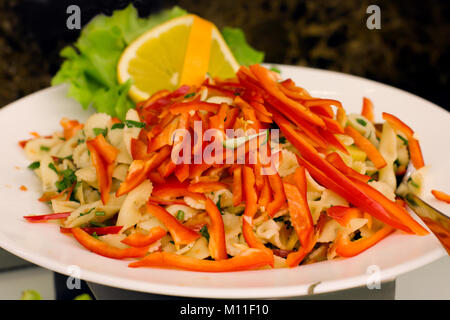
283, 140
80, 141
237, 93
85, 213
411, 200
100, 213
218, 205
397, 162
98, 131
405, 141
172, 242
275, 69
279, 219
97, 224
95, 235
189, 95
413, 183
34, 165
52, 166
204, 232
118, 126
68, 179
361, 122
180, 215
45, 148
135, 124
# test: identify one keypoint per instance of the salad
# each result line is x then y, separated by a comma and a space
227, 174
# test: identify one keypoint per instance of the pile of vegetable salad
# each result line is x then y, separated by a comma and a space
117, 187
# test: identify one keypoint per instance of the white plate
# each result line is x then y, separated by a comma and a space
44, 245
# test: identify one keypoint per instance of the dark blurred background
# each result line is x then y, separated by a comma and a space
411, 51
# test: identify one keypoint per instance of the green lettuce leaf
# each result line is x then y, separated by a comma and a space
244, 54
89, 65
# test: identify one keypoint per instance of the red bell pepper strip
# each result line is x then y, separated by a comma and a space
206, 186
100, 231
367, 109
294, 258
70, 127
137, 173
343, 215
167, 168
396, 211
139, 150
165, 137
237, 186
217, 245
283, 102
139, 170
347, 248
171, 192
103, 170
46, 217
248, 260
179, 233
104, 249
323, 110
231, 118
218, 121
182, 172
164, 202
377, 210
186, 107
440, 195
249, 113
413, 144
333, 140
104, 149
251, 199
366, 146
339, 164
138, 239
298, 206
156, 178
333, 126
265, 196
279, 198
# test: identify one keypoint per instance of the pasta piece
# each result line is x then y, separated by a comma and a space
64, 206
188, 212
219, 100
48, 176
38, 148
120, 172
193, 203
225, 196
81, 156
199, 250
328, 199
364, 127
130, 132
288, 163
384, 188
130, 213
388, 149
94, 123
85, 213
88, 175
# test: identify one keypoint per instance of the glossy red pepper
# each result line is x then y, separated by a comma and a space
216, 229
138, 239
104, 249
248, 260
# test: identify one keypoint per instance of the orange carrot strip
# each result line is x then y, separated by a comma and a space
366, 146
367, 109
413, 144
440, 195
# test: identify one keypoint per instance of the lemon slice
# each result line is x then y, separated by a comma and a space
179, 51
